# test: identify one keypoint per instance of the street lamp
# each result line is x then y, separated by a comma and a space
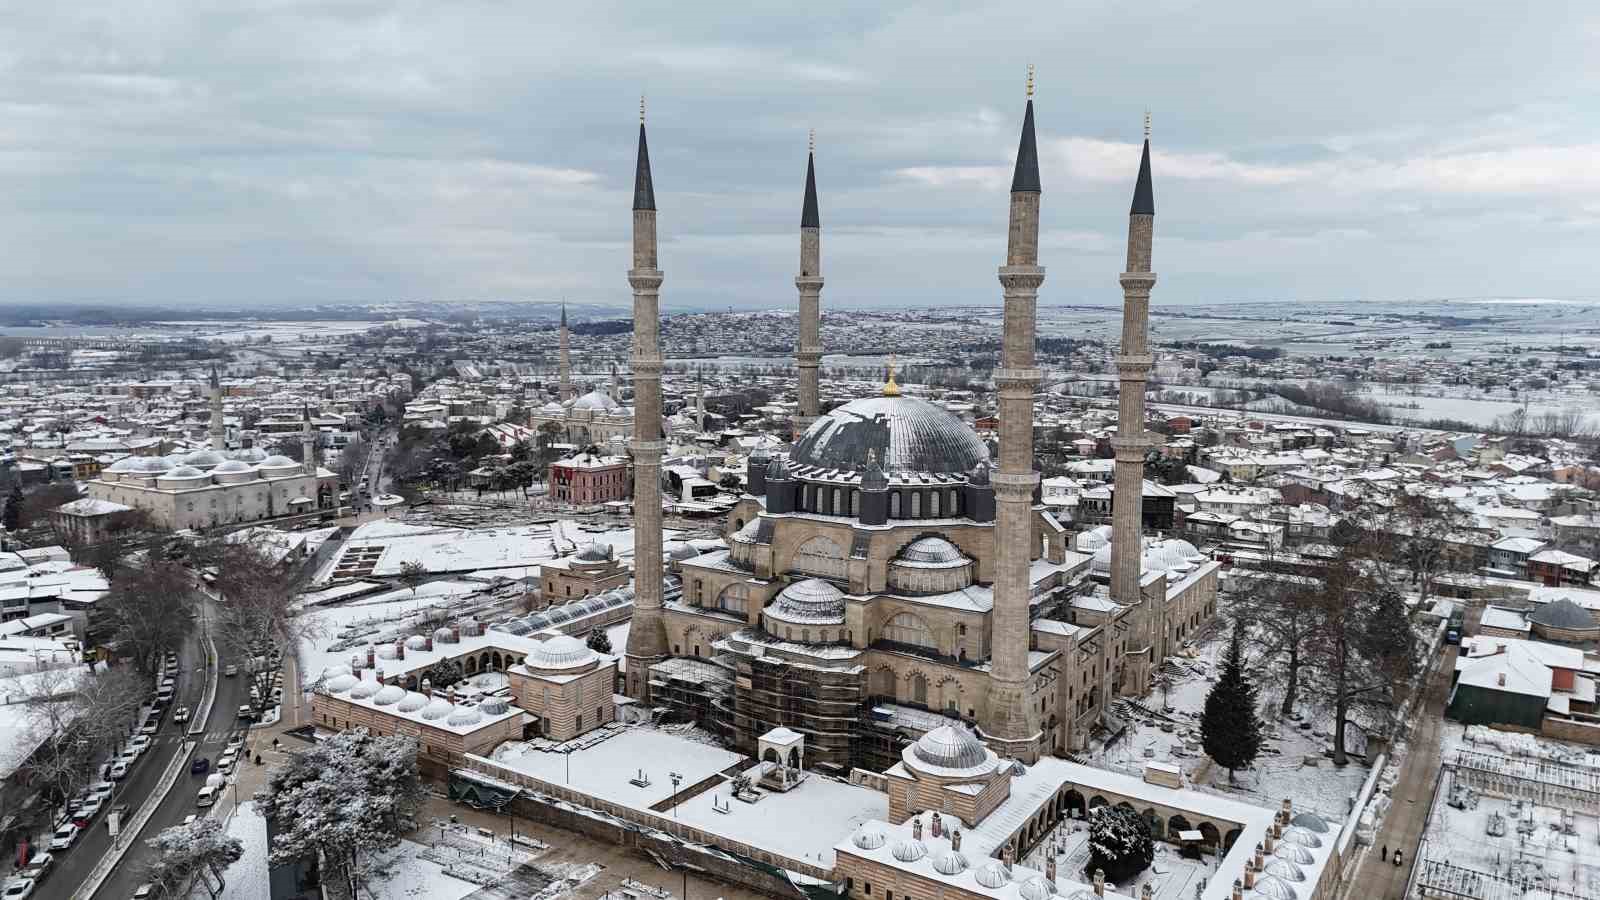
676, 780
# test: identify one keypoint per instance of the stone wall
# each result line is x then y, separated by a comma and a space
1576, 730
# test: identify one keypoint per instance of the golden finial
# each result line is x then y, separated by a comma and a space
1030, 81
811, 142
641, 109
890, 389
1147, 123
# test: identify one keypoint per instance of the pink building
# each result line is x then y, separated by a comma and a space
588, 477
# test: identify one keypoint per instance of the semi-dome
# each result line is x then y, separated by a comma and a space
932, 551
1294, 853
598, 401
412, 702
437, 708
389, 695
595, 551
909, 850
1037, 888
812, 601
868, 838
950, 747
993, 874
1310, 821
950, 862
560, 652
904, 434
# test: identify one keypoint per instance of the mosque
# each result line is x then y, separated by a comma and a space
886, 576
596, 417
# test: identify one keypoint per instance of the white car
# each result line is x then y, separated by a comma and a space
225, 762
140, 744
102, 789
150, 727
17, 889
230, 671
88, 809
246, 712
119, 769
189, 819
181, 715
38, 866
64, 837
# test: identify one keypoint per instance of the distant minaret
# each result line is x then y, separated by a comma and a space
219, 434
1133, 371
308, 449
616, 384
808, 354
647, 637
700, 400
1012, 727
566, 357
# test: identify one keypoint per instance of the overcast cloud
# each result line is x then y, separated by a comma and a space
351, 151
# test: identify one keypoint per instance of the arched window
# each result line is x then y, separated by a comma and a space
933, 504
919, 688
820, 556
894, 505
855, 503
808, 498
916, 504
910, 629
838, 502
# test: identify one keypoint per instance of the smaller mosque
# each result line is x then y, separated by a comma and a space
206, 488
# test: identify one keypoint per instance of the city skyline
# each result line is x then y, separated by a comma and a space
350, 153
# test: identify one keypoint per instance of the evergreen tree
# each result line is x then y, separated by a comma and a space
599, 641
12, 517
1119, 843
1229, 728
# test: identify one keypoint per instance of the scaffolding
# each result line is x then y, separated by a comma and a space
1444, 880
1543, 782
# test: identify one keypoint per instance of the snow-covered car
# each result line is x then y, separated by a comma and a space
181, 715
225, 762
234, 746
17, 889
119, 769
39, 866
246, 712
150, 727
140, 744
190, 818
64, 837
230, 671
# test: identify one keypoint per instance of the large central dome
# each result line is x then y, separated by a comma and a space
908, 435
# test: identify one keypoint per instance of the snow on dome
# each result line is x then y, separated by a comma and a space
950, 747
412, 702
465, 715
868, 838
993, 874
596, 400
596, 551
1284, 869
151, 465
1037, 888
231, 467
335, 669
1310, 821
1562, 613
494, 706
560, 652
932, 552
904, 434
437, 708
950, 862
1093, 539
203, 458
1083, 894
909, 850
125, 464
416, 642
249, 455
1294, 854
365, 689
338, 684
444, 636
1274, 888
389, 695
809, 601
386, 652
1301, 836
278, 462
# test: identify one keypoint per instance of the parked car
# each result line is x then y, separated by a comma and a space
17, 889
140, 744
190, 818
150, 727
85, 812
246, 712
230, 671
38, 866
64, 837
200, 766
102, 789
225, 762
119, 769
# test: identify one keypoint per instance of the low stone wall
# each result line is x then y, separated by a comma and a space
1575, 730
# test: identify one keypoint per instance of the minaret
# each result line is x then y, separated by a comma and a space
808, 353
700, 400
219, 434
1133, 371
566, 357
1012, 728
647, 637
616, 384
308, 450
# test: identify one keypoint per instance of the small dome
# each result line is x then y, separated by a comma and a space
465, 715
1093, 539
412, 702
416, 642
437, 708
1083, 894
868, 838
493, 706
278, 462
125, 464
150, 465
444, 636
1563, 614
338, 684
389, 695
778, 469
811, 601
1284, 869
1301, 837
979, 476
909, 850
561, 652
231, 467
1310, 821
365, 690
1294, 853
203, 459
950, 862
993, 874
335, 669
932, 551
1037, 888
386, 652
950, 747
1271, 887
596, 551
249, 455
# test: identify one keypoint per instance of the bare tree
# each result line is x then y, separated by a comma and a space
74, 716
149, 611
412, 574
254, 617
1425, 530
1280, 612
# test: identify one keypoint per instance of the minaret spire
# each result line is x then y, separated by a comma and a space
647, 638
808, 350
1012, 725
1131, 442
219, 433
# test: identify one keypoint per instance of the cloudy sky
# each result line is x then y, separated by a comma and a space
234, 153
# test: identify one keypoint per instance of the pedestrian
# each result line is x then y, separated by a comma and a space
1384, 857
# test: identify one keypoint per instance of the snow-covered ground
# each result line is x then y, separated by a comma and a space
330, 629
604, 769
247, 878
407, 876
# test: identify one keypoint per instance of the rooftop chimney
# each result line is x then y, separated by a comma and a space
1099, 882
955, 839
1238, 889
1050, 868
1500, 679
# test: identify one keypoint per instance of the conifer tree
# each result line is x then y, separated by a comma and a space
1229, 728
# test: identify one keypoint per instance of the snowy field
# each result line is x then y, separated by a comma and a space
379, 548
828, 809
604, 769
